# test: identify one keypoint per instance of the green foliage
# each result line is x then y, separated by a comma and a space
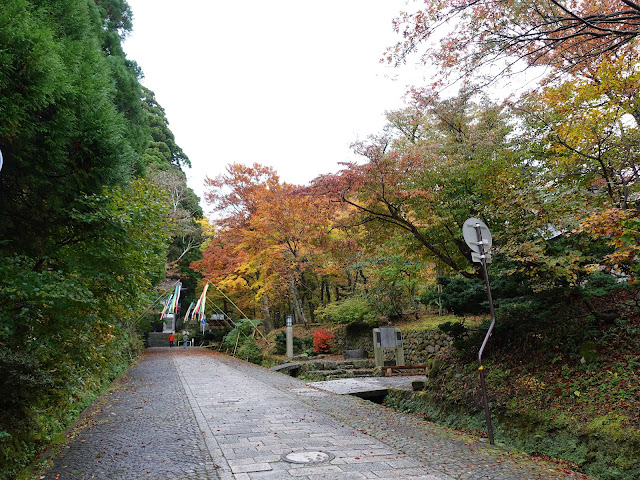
600, 284
241, 334
524, 309
306, 346
250, 352
430, 296
602, 447
162, 152
460, 334
560, 382
395, 281
25, 371
117, 15
181, 225
83, 244
68, 323
210, 336
49, 386
280, 343
83, 238
436, 164
356, 309
300, 345
459, 295
241, 340
63, 129
125, 243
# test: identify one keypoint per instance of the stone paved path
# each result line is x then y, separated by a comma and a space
195, 414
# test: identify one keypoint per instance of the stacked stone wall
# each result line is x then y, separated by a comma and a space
419, 345
354, 339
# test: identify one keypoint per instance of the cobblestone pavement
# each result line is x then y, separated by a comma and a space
144, 429
197, 414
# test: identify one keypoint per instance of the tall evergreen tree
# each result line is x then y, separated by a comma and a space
83, 238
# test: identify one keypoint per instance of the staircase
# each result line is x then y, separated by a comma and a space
331, 370
158, 339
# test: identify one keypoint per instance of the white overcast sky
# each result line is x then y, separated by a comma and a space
285, 83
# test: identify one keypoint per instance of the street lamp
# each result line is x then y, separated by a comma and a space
289, 337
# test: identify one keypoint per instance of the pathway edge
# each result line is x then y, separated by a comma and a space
223, 470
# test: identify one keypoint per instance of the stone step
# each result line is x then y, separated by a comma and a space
369, 372
158, 339
334, 374
332, 369
346, 365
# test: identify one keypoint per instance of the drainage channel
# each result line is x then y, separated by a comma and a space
375, 396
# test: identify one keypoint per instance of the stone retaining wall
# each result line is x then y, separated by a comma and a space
419, 345
357, 338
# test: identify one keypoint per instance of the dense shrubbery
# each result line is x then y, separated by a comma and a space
68, 323
241, 341
300, 344
209, 336
524, 309
84, 231
459, 295
571, 394
356, 309
250, 351
323, 340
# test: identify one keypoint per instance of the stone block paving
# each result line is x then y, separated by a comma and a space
198, 414
143, 429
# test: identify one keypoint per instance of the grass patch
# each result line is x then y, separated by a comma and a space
431, 322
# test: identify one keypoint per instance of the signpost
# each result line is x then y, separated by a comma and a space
477, 235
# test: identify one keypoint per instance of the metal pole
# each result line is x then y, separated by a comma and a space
483, 260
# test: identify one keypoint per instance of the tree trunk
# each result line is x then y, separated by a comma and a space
266, 315
325, 292
350, 285
312, 311
297, 303
364, 280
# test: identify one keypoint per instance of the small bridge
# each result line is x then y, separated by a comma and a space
367, 387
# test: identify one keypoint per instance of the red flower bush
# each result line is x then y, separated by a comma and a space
322, 340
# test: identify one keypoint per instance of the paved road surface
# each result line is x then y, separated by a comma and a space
195, 414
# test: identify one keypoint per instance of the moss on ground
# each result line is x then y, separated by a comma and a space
607, 447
